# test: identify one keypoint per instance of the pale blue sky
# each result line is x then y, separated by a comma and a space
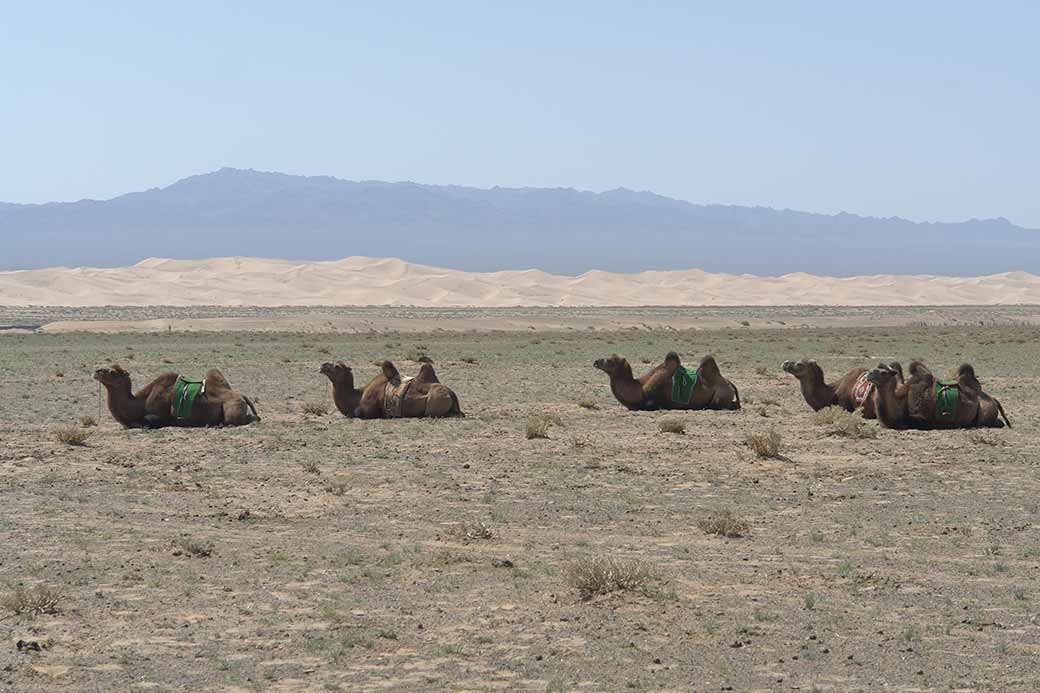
927, 110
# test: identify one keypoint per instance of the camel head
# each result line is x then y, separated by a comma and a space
613, 365
112, 376
803, 369
883, 375
339, 373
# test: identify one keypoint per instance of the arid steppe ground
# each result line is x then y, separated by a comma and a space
311, 551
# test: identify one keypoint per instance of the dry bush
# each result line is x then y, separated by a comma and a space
765, 445
588, 404
87, 421
580, 442
762, 370
338, 487
537, 425
315, 408
844, 423
468, 359
671, 426
605, 574
71, 435
192, 547
724, 524
474, 531
32, 601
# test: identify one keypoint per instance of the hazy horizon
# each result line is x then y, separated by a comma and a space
922, 112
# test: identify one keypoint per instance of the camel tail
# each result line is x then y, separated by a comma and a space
456, 410
1002, 414
252, 408
736, 402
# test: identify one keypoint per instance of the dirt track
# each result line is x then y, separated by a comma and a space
339, 555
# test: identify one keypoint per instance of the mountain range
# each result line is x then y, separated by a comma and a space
236, 212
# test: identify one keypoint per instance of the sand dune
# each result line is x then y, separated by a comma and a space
361, 281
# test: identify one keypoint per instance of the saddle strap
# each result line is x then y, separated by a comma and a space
393, 397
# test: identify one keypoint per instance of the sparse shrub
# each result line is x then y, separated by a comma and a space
724, 524
580, 441
469, 360
420, 356
338, 487
475, 531
59, 374
87, 421
765, 445
311, 467
315, 408
671, 426
192, 547
71, 435
844, 423
762, 370
602, 575
588, 404
537, 425
31, 601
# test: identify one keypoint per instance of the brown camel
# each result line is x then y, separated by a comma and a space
990, 411
152, 405
850, 392
965, 410
655, 389
890, 396
344, 394
391, 397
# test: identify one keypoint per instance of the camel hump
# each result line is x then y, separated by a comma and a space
966, 377
672, 357
216, 380
390, 371
426, 374
708, 370
920, 371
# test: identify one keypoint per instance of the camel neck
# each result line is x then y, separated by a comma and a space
346, 397
124, 407
817, 393
627, 390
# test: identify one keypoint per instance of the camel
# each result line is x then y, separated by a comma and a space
926, 397
655, 390
153, 405
990, 411
344, 394
391, 397
923, 402
850, 392
890, 396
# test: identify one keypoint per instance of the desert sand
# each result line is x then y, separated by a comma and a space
363, 281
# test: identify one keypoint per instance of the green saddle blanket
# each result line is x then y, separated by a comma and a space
184, 394
946, 397
683, 382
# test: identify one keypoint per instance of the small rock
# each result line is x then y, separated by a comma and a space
501, 563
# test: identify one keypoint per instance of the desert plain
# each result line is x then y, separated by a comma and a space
623, 551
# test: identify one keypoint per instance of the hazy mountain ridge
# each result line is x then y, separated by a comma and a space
244, 212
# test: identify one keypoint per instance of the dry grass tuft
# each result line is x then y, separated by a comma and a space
87, 421
765, 445
338, 487
71, 435
671, 426
192, 547
844, 423
475, 531
537, 425
588, 404
315, 408
724, 524
603, 575
31, 601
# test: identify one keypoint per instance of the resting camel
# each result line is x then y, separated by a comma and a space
850, 392
922, 402
963, 397
391, 397
344, 394
889, 396
152, 405
655, 390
